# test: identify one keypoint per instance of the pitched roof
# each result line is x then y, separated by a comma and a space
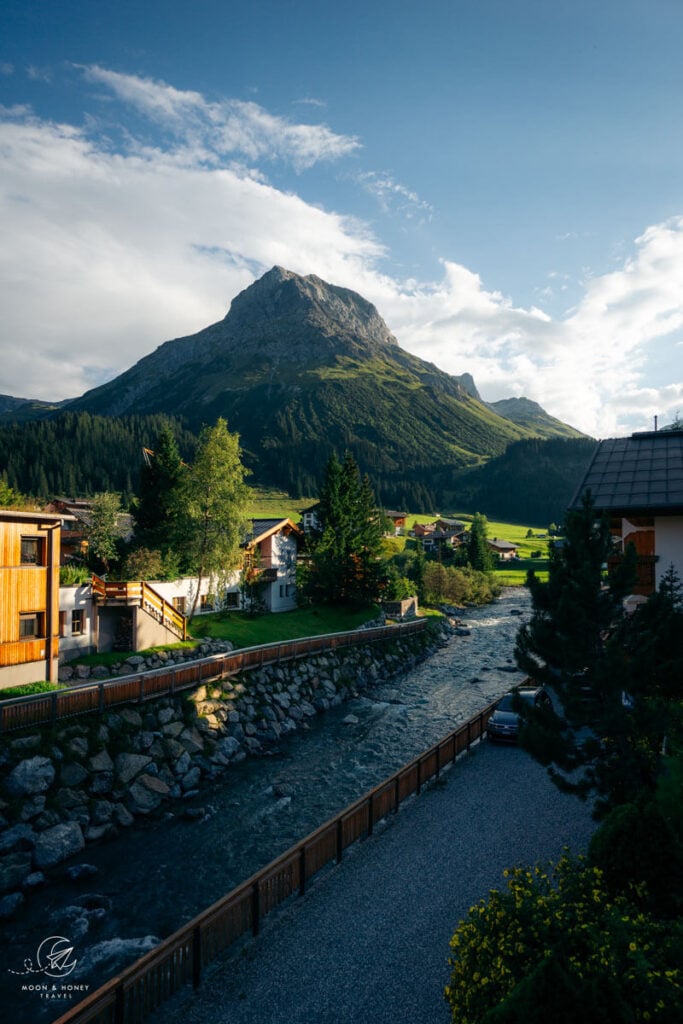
262, 528
644, 471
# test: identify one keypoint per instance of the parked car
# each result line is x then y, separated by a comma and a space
503, 725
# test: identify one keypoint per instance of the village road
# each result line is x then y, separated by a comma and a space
369, 941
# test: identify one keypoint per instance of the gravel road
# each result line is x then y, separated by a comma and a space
369, 940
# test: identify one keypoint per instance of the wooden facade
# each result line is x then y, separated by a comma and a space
29, 597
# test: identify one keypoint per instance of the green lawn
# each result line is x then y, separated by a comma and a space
272, 504
249, 630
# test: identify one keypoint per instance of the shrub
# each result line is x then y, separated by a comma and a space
560, 925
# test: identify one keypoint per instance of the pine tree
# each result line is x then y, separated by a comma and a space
160, 477
480, 554
346, 565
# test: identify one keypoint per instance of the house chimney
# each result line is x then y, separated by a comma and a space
655, 423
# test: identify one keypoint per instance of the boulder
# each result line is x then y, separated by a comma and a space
19, 837
57, 844
13, 870
130, 765
34, 775
142, 799
101, 762
10, 904
72, 775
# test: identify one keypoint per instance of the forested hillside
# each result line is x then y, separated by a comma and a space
80, 454
532, 482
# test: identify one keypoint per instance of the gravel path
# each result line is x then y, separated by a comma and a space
369, 941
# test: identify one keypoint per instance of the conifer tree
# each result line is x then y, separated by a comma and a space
160, 476
346, 565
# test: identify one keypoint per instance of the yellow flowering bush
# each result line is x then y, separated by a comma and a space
554, 943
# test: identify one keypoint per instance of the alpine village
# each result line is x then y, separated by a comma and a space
248, 543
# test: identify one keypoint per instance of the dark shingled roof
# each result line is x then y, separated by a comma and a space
644, 471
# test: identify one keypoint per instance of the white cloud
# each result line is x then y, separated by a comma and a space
104, 255
228, 126
391, 194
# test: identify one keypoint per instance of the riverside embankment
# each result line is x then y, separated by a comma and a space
162, 872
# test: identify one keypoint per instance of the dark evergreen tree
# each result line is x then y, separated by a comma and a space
575, 642
480, 555
346, 565
157, 506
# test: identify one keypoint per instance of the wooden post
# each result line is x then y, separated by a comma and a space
196, 956
255, 909
302, 870
119, 1006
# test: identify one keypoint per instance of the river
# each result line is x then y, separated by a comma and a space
161, 873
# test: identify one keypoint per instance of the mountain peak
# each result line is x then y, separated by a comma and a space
287, 306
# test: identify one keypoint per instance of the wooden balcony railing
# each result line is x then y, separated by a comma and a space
141, 595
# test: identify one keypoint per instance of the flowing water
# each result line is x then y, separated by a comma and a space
160, 874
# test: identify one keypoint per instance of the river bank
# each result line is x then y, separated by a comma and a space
163, 872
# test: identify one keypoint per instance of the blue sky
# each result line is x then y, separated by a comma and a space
502, 178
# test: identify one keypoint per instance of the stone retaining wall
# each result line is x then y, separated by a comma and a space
84, 782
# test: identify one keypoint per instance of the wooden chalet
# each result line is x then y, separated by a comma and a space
271, 550
29, 597
638, 482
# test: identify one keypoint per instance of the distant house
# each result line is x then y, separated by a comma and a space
505, 549
398, 519
77, 513
638, 482
309, 518
271, 550
423, 530
29, 596
452, 526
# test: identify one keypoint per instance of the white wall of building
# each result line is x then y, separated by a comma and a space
668, 545
183, 591
77, 621
280, 595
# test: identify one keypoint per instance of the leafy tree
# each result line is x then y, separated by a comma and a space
9, 498
556, 946
150, 564
212, 506
103, 530
346, 565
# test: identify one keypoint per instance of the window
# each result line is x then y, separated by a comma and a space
33, 551
62, 623
206, 603
179, 604
77, 622
232, 599
31, 625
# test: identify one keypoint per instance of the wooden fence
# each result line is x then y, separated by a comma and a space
181, 959
90, 697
